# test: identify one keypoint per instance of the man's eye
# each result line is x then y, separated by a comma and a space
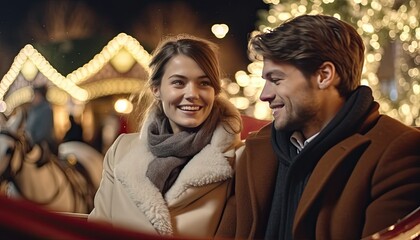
276, 81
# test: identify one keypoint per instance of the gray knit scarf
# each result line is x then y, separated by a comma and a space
172, 151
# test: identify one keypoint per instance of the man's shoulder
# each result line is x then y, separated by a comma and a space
263, 133
390, 125
388, 130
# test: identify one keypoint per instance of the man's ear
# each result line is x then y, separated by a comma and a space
327, 75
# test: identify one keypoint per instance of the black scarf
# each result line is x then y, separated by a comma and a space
172, 151
294, 169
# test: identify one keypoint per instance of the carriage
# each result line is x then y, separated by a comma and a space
63, 182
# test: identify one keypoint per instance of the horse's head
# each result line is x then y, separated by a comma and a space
11, 140
36, 174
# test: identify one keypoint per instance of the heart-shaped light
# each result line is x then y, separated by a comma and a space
220, 30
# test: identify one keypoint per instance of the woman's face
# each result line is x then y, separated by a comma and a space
186, 93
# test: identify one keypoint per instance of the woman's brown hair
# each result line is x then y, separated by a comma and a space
204, 53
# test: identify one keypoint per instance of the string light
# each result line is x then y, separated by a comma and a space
379, 22
122, 52
30, 61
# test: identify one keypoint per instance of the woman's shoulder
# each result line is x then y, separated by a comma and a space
128, 137
124, 142
125, 138
126, 146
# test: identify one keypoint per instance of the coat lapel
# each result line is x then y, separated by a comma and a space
258, 180
322, 175
131, 173
210, 165
201, 170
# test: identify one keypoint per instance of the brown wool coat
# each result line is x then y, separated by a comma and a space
382, 187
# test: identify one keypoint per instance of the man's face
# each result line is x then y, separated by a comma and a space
294, 99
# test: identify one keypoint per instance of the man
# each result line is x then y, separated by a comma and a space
75, 132
329, 166
40, 122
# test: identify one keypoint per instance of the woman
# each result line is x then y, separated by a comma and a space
174, 177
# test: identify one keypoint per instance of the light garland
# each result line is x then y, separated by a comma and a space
122, 42
377, 21
113, 86
121, 49
29, 53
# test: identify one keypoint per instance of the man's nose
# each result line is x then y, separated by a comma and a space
267, 92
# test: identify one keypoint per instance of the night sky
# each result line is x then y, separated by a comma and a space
119, 15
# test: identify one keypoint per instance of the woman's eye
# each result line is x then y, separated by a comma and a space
206, 83
177, 82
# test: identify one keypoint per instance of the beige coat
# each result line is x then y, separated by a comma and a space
193, 206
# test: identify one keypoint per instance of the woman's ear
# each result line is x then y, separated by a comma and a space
327, 75
156, 92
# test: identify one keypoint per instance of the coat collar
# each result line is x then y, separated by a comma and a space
322, 174
208, 166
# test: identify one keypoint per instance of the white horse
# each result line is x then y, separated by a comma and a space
64, 183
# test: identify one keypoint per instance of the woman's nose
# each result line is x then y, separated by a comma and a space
191, 91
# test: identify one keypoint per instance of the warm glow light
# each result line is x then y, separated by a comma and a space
19, 97
220, 30
123, 61
240, 102
29, 70
242, 78
113, 86
380, 23
3, 106
262, 111
29, 55
122, 40
123, 106
233, 88
283, 16
122, 52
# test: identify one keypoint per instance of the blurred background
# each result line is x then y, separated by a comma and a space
92, 55
44, 22
68, 34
